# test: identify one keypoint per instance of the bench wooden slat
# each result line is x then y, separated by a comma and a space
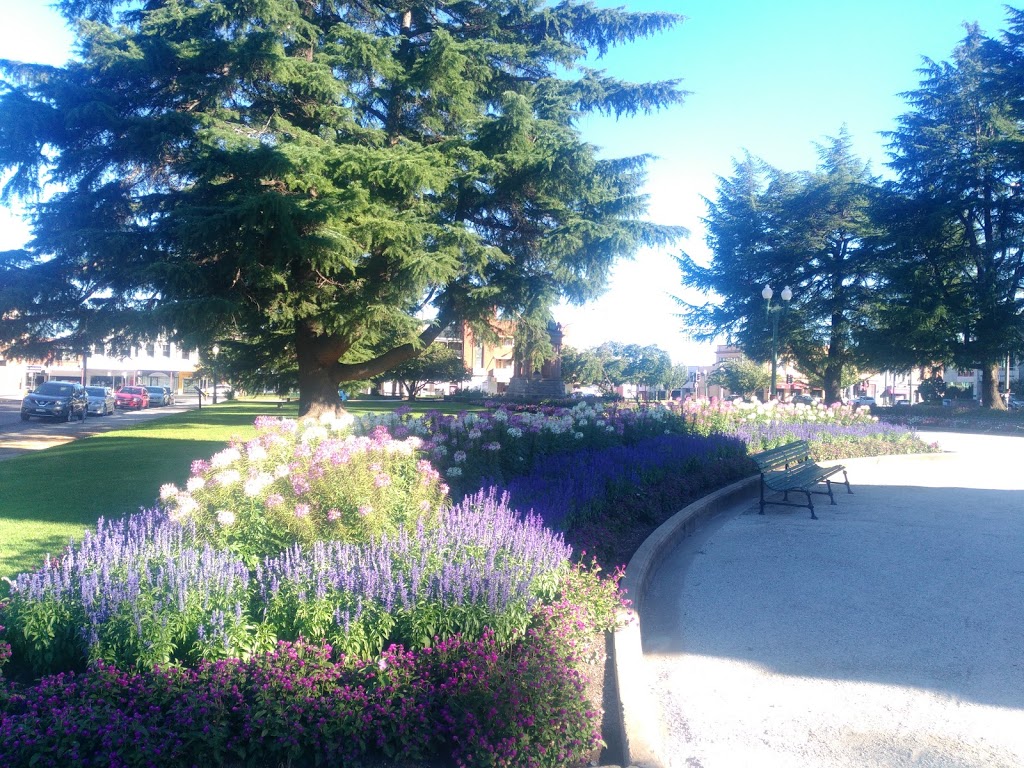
789, 468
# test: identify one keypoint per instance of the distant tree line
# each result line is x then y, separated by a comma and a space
613, 364
916, 270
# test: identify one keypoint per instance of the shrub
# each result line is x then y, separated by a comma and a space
481, 703
482, 566
306, 482
143, 591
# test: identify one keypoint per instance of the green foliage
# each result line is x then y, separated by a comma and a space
581, 366
932, 389
741, 376
437, 363
814, 231
649, 365
307, 180
956, 271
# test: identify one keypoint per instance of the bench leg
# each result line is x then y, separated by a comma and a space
828, 485
847, 481
810, 505
762, 497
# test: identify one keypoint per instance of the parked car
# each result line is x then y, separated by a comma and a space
132, 397
1015, 403
863, 401
61, 400
101, 401
803, 399
169, 395
159, 396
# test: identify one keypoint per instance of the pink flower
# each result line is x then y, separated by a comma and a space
302, 510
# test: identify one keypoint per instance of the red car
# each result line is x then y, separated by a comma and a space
132, 397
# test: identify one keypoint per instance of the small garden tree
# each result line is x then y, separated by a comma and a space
742, 376
437, 363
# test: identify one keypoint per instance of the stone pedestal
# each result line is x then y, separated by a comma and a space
535, 389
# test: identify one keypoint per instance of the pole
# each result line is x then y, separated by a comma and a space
215, 353
775, 348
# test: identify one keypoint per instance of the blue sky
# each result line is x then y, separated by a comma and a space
769, 78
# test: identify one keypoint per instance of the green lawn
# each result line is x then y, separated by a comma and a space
48, 497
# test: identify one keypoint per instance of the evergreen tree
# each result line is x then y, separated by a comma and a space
954, 286
301, 177
812, 231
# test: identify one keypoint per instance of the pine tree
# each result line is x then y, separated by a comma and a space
812, 231
297, 178
957, 269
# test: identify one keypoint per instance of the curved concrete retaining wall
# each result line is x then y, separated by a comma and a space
639, 717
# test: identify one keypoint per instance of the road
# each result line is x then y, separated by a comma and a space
18, 437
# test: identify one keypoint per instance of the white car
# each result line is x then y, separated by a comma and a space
864, 400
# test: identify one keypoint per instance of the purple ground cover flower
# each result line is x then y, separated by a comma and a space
481, 565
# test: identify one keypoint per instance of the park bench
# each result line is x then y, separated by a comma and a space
789, 469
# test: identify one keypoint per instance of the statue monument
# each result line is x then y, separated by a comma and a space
543, 382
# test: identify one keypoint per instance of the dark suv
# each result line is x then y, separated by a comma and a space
62, 400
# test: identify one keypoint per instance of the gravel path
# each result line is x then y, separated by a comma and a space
888, 633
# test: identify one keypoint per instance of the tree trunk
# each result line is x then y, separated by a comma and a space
990, 397
317, 357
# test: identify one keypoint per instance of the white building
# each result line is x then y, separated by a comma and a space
155, 364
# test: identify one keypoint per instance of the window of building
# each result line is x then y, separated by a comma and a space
150, 350
167, 350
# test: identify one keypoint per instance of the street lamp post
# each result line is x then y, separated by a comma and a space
773, 313
215, 351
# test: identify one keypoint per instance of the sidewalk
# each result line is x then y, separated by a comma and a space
887, 633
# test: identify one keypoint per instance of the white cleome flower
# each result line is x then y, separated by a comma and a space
225, 517
225, 458
227, 477
168, 491
257, 453
314, 433
255, 484
195, 483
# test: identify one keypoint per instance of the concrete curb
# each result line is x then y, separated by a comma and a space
641, 723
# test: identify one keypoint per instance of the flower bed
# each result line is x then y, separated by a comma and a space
313, 595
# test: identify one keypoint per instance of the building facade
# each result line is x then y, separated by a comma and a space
159, 363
